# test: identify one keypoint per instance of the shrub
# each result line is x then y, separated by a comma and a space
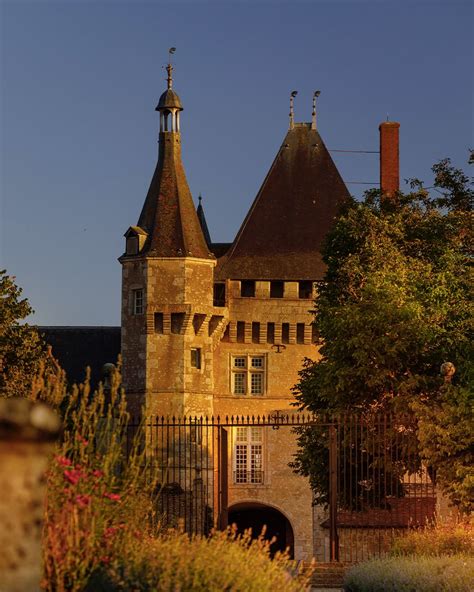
442, 539
412, 574
96, 489
172, 561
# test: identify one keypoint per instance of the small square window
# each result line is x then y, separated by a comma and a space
300, 333
277, 289
240, 362
270, 332
158, 319
137, 298
257, 362
177, 322
196, 357
219, 294
240, 331
247, 288
255, 332
305, 289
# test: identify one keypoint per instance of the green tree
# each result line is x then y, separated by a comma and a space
22, 351
394, 306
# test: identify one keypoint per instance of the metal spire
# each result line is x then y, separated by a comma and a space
292, 111
313, 114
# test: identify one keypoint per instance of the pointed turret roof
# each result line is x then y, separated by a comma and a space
282, 235
202, 221
169, 216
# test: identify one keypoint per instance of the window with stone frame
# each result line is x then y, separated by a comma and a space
137, 301
248, 375
196, 357
248, 455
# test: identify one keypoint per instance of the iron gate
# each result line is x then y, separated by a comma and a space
375, 485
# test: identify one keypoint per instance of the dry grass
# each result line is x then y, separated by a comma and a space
412, 574
450, 538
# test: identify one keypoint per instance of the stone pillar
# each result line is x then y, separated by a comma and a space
27, 433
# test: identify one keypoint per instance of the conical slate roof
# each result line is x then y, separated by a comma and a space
169, 215
202, 221
282, 235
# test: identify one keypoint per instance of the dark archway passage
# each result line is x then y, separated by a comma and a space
256, 516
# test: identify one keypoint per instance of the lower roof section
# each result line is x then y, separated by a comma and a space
288, 266
75, 348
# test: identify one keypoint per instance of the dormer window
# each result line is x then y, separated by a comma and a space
135, 238
132, 245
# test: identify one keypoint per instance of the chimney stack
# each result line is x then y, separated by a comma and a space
389, 158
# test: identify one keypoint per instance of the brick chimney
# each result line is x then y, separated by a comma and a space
389, 158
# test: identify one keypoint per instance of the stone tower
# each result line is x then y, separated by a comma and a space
168, 321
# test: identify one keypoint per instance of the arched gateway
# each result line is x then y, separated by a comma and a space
255, 515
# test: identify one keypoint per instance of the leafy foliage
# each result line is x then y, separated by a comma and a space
22, 351
396, 303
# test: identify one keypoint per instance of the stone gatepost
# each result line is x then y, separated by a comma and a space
27, 433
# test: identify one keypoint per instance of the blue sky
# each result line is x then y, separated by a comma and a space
80, 81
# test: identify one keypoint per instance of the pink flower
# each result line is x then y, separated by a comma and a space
98, 473
115, 497
83, 500
73, 476
105, 559
63, 461
109, 532
82, 440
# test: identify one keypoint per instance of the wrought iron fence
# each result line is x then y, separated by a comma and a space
375, 487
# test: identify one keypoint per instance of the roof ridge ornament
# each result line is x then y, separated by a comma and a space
169, 67
313, 114
292, 110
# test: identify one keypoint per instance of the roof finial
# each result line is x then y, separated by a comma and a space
292, 111
200, 198
313, 114
169, 67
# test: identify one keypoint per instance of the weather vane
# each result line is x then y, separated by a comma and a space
169, 67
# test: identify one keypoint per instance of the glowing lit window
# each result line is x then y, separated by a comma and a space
248, 456
248, 375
